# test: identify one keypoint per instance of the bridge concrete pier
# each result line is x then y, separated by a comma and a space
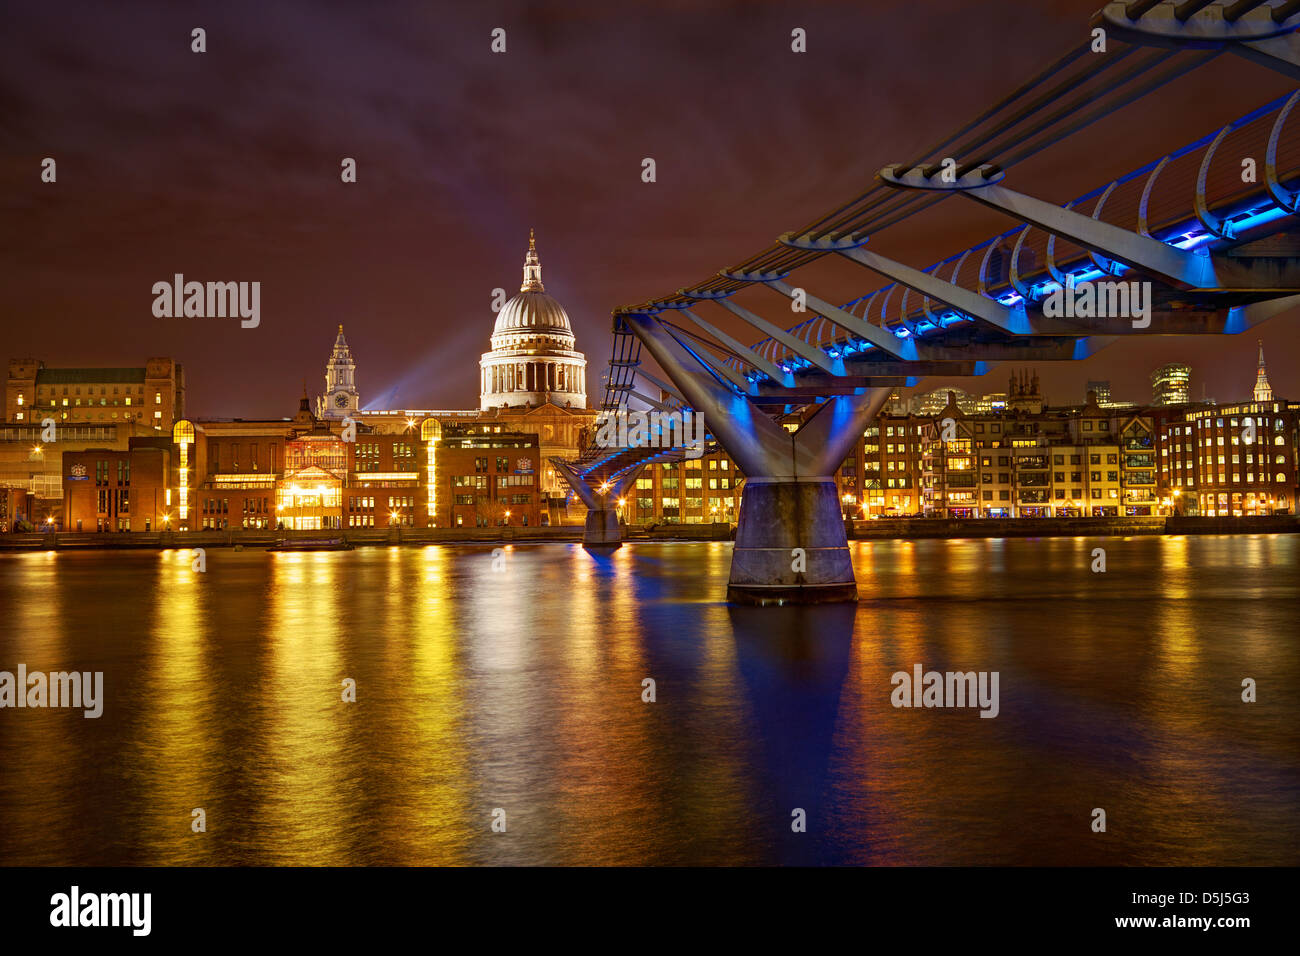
602, 531
791, 547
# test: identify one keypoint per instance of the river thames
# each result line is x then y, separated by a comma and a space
516, 685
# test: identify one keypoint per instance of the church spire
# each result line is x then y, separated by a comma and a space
532, 268
1263, 391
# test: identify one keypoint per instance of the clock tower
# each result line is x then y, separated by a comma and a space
340, 398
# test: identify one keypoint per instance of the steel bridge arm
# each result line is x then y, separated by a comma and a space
1177, 267
979, 307
885, 341
748, 434
774, 331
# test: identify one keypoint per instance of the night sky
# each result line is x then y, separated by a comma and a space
225, 166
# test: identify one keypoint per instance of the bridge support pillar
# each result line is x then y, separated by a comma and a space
791, 547
602, 531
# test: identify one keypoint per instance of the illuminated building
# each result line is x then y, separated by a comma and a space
31, 476
340, 399
533, 359
699, 491
1056, 462
112, 490
151, 398
488, 479
890, 466
533, 381
1233, 460
1171, 385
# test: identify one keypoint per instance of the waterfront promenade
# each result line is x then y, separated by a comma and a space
863, 530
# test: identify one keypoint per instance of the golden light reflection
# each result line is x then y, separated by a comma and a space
181, 697
308, 775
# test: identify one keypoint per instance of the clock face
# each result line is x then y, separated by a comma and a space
341, 401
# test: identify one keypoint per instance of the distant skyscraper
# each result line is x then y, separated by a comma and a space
1171, 384
1263, 391
1102, 390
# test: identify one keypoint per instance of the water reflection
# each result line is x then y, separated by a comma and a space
520, 686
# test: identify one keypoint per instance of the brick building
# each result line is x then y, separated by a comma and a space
152, 396
113, 490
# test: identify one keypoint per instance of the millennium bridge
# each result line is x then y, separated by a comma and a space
1211, 226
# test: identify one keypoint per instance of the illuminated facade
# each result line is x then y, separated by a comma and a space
1171, 385
340, 399
1066, 462
150, 398
699, 491
533, 358
119, 491
1232, 460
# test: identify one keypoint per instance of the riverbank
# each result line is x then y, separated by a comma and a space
857, 530
1069, 527
357, 537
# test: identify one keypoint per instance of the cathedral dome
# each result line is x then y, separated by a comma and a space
533, 359
533, 311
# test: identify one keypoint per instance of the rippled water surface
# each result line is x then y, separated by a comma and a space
521, 689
